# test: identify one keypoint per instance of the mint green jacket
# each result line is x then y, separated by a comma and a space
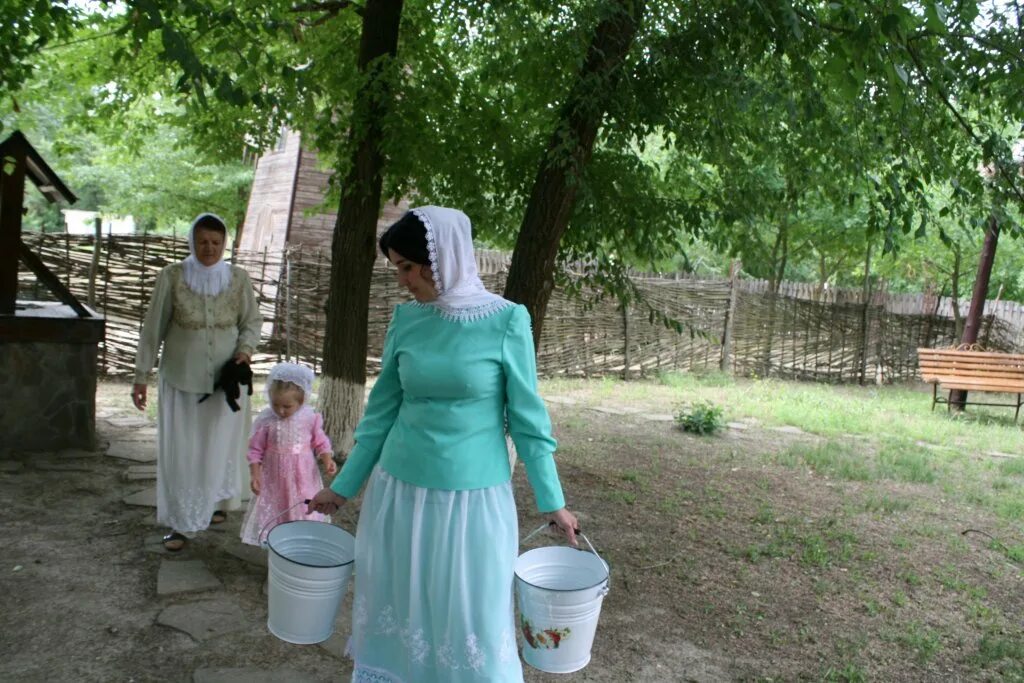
436, 415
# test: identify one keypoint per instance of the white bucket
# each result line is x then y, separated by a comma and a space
310, 565
560, 591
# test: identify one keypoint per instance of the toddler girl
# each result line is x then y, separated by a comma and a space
285, 437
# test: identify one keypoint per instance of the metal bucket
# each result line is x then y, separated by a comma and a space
310, 566
560, 591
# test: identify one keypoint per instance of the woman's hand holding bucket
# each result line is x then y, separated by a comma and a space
325, 502
567, 523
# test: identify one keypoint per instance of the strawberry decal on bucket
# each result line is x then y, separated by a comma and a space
549, 638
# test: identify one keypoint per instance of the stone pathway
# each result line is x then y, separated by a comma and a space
201, 606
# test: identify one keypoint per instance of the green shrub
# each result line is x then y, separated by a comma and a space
702, 417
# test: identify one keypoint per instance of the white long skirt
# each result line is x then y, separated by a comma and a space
201, 464
433, 585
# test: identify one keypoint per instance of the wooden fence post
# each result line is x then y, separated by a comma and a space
94, 265
625, 334
730, 313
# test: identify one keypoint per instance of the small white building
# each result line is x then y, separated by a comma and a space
78, 222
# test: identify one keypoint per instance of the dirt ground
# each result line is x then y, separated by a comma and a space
725, 566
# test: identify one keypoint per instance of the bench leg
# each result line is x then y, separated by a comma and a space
935, 395
1016, 413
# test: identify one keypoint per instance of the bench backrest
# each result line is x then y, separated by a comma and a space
936, 364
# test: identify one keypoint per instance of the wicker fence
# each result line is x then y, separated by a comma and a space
797, 333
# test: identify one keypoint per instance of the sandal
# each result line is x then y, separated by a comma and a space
218, 517
174, 542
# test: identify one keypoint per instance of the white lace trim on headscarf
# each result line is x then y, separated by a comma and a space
300, 375
461, 295
205, 280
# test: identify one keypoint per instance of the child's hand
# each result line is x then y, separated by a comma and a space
254, 482
329, 465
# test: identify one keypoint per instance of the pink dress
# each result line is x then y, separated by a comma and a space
287, 450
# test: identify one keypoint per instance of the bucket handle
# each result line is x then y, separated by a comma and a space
579, 533
259, 538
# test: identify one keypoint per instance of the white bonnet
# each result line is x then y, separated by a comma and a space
299, 375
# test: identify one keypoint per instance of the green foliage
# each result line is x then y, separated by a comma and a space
793, 137
26, 28
702, 417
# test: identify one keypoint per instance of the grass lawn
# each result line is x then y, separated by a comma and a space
833, 533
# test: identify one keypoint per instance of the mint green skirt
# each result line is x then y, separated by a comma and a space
433, 585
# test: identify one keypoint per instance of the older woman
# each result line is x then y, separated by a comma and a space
204, 312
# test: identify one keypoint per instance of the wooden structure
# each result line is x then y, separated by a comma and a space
971, 371
47, 349
21, 161
286, 203
287, 212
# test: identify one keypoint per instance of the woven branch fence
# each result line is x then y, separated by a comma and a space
735, 325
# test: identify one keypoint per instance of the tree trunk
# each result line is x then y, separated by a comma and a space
954, 300
864, 323
553, 197
355, 232
958, 397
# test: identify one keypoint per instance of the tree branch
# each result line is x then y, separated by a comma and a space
330, 6
80, 40
944, 98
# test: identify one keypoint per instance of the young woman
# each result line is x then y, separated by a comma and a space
438, 533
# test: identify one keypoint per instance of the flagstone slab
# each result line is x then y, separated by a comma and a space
246, 553
78, 454
608, 410
658, 417
10, 467
738, 425
184, 576
140, 472
133, 450
562, 400
205, 619
142, 434
251, 675
788, 429
61, 466
143, 498
126, 421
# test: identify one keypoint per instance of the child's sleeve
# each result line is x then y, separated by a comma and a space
321, 442
528, 420
257, 445
381, 412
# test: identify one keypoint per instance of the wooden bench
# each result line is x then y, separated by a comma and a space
973, 371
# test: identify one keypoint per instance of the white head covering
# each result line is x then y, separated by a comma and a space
300, 375
205, 280
461, 294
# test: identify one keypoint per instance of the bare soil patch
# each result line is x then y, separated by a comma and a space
728, 564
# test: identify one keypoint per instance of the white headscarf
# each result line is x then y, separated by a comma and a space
205, 280
461, 294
